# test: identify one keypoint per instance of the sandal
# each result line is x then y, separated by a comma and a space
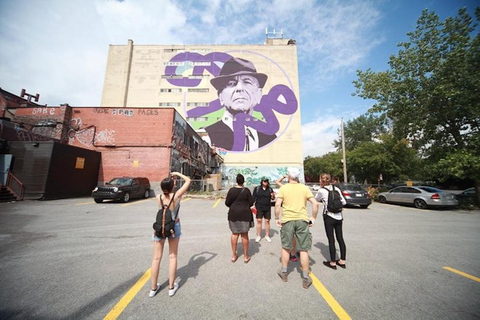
327, 264
247, 260
234, 259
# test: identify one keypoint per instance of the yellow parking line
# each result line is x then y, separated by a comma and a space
336, 307
216, 203
84, 203
462, 274
131, 203
186, 199
127, 298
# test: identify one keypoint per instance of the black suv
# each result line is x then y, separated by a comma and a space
123, 189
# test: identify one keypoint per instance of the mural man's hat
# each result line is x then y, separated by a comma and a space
236, 67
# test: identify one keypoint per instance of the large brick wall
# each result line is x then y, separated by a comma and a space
147, 142
135, 142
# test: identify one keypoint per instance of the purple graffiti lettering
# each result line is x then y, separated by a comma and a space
200, 111
215, 59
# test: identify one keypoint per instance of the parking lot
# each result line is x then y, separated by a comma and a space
75, 259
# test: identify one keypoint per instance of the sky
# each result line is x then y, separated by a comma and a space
59, 48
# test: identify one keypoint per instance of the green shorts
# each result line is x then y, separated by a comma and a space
299, 229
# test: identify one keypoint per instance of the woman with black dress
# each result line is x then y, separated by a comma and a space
240, 218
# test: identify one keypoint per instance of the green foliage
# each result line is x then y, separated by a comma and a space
458, 164
430, 98
364, 128
330, 163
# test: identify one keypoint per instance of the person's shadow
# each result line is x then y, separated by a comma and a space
191, 270
324, 250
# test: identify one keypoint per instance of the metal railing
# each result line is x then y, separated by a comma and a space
15, 186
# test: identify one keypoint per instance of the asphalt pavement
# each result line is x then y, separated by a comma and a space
75, 259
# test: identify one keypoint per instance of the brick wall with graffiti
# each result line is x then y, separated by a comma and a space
138, 141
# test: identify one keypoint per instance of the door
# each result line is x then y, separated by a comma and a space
135, 189
5, 164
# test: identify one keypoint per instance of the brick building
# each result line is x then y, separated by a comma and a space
133, 142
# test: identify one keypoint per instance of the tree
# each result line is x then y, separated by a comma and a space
389, 157
364, 128
330, 163
430, 93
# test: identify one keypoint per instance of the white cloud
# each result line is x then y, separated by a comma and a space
319, 135
59, 48
144, 21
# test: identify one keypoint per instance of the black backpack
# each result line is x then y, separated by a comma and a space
164, 224
334, 201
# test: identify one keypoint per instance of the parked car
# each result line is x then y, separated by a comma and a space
467, 194
354, 194
467, 198
421, 197
122, 189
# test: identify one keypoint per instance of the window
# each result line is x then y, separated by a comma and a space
171, 90
164, 76
174, 50
169, 104
201, 63
197, 119
200, 50
198, 90
174, 63
197, 104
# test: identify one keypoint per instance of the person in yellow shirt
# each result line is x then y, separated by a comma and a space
291, 203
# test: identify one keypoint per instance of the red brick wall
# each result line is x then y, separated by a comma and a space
34, 120
133, 142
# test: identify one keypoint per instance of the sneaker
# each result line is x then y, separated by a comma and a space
283, 275
154, 292
307, 282
258, 238
268, 239
171, 292
293, 258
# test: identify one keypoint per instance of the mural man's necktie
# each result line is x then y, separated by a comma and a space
248, 136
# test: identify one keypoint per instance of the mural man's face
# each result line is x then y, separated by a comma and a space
241, 94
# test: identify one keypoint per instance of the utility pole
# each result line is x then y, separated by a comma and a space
344, 160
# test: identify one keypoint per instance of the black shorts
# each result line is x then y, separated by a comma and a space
265, 214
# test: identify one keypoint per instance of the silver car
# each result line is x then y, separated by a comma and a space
421, 197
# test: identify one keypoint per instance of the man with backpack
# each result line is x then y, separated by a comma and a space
263, 196
333, 202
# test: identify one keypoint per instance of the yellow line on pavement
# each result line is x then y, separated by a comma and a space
84, 203
462, 274
131, 203
216, 203
127, 298
336, 307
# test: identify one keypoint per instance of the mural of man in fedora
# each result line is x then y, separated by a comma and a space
239, 88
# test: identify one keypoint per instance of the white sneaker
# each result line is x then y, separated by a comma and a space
154, 292
258, 238
171, 292
268, 239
